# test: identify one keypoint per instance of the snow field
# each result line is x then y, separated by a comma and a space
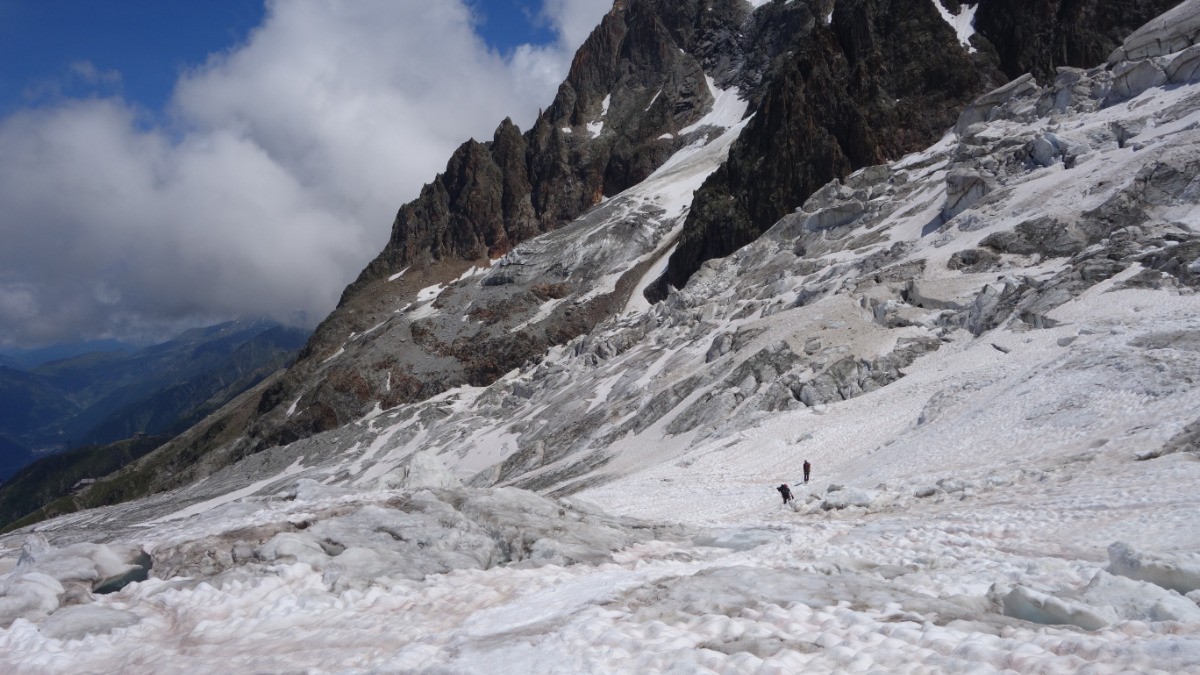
764, 610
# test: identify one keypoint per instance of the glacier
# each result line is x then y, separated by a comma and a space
984, 348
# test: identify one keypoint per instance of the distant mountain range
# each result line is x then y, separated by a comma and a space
25, 359
114, 392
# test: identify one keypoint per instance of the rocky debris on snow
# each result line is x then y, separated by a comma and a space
1044, 235
850, 377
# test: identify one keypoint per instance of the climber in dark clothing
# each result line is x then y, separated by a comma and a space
785, 492
807, 468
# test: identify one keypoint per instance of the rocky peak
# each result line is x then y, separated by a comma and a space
634, 81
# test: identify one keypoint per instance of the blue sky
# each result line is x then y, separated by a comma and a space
167, 163
138, 48
144, 44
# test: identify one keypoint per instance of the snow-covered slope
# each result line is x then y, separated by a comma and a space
988, 351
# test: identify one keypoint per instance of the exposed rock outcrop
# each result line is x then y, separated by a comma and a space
1038, 36
884, 78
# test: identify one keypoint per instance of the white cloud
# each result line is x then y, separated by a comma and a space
87, 72
278, 178
573, 20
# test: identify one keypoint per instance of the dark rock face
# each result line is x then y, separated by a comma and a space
884, 78
494, 195
1037, 36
